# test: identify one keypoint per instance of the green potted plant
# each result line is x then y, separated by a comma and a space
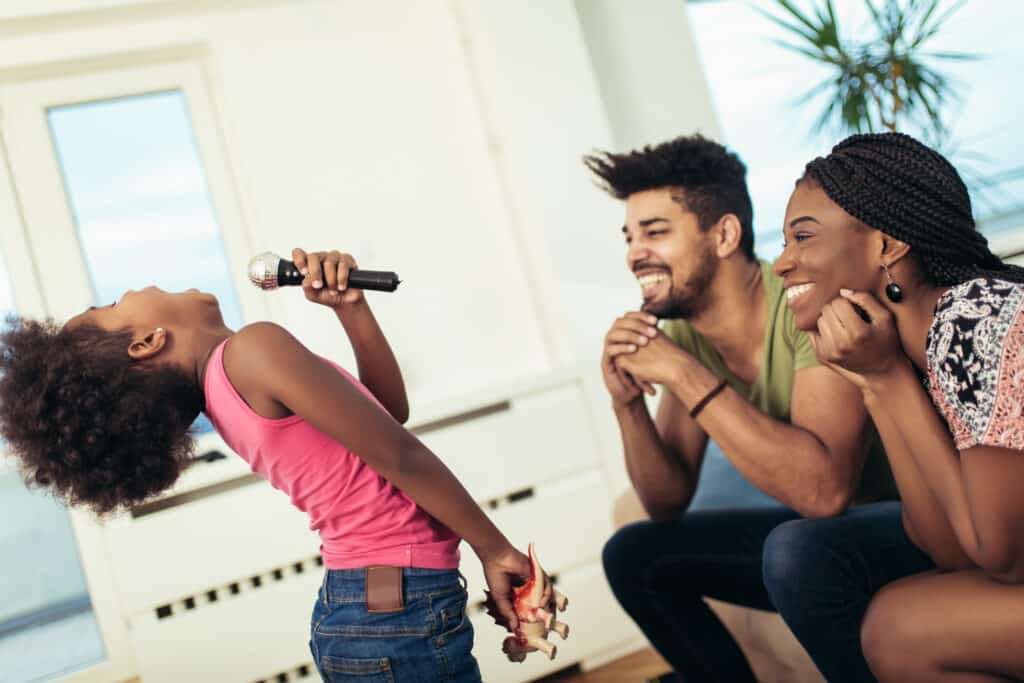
887, 81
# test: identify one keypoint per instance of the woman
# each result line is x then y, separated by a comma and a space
884, 267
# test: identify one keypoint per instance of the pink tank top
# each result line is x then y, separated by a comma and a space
362, 518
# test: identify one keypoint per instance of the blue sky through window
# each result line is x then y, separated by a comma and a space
137, 187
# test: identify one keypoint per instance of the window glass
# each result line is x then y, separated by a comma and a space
755, 83
138, 191
141, 204
47, 626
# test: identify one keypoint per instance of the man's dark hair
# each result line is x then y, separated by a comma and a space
896, 184
86, 421
710, 180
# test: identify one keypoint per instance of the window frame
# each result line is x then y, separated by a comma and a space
38, 180
42, 245
17, 258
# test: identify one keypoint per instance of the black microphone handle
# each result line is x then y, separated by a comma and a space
377, 280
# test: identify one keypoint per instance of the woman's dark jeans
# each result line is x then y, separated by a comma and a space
819, 574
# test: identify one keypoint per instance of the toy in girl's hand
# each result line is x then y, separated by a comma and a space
536, 603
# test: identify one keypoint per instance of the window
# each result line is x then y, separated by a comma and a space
138, 193
47, 625
754, 83
118, 179
139, 196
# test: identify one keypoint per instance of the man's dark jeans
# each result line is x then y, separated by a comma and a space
819, 574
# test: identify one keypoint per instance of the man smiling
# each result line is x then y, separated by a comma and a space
734, 368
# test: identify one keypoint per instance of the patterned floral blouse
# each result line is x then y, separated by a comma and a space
975, 351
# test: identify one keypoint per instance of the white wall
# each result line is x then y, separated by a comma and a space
648, 70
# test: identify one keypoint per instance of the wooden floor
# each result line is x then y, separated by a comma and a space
635, 668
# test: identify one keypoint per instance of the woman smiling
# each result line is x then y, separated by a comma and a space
884, 267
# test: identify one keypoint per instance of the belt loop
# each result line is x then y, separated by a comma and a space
325, 588
462, 580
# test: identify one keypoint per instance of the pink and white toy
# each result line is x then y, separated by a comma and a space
535, 603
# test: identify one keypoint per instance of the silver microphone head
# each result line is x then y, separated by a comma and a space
263, 270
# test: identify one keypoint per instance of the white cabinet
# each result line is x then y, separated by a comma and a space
218, 580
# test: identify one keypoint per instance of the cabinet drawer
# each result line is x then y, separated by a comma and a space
253, 636
536, 438
567, 521
206, 543
214, 540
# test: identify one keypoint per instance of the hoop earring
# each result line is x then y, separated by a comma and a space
892, 290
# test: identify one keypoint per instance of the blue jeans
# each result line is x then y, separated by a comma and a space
822, 573
819, 574
431, 639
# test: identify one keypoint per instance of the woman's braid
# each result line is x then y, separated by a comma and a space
895, 184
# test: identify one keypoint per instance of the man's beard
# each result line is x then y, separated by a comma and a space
692, 297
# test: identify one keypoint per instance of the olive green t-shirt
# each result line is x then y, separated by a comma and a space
787, 350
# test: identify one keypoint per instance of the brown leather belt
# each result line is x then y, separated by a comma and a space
384, 589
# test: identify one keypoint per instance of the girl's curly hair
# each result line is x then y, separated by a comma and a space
86, 421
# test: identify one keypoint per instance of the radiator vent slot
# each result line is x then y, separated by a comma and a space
508, 499
298, 673
256, 582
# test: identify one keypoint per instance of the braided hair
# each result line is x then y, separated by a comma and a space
898, 185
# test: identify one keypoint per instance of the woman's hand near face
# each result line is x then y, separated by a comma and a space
326, 280
856, 348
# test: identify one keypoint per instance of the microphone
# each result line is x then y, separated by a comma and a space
270, 271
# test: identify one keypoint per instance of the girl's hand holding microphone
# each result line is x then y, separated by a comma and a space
326, 277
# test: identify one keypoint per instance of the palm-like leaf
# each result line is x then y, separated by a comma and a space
880, 83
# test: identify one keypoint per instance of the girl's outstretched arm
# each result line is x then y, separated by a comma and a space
325, 284
269, 366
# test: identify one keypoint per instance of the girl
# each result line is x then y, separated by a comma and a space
98, 410
884, 266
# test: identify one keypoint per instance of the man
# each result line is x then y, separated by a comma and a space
734, 369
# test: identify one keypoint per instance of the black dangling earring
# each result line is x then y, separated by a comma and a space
892, 290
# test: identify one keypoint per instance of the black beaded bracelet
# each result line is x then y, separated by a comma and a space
707, 398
